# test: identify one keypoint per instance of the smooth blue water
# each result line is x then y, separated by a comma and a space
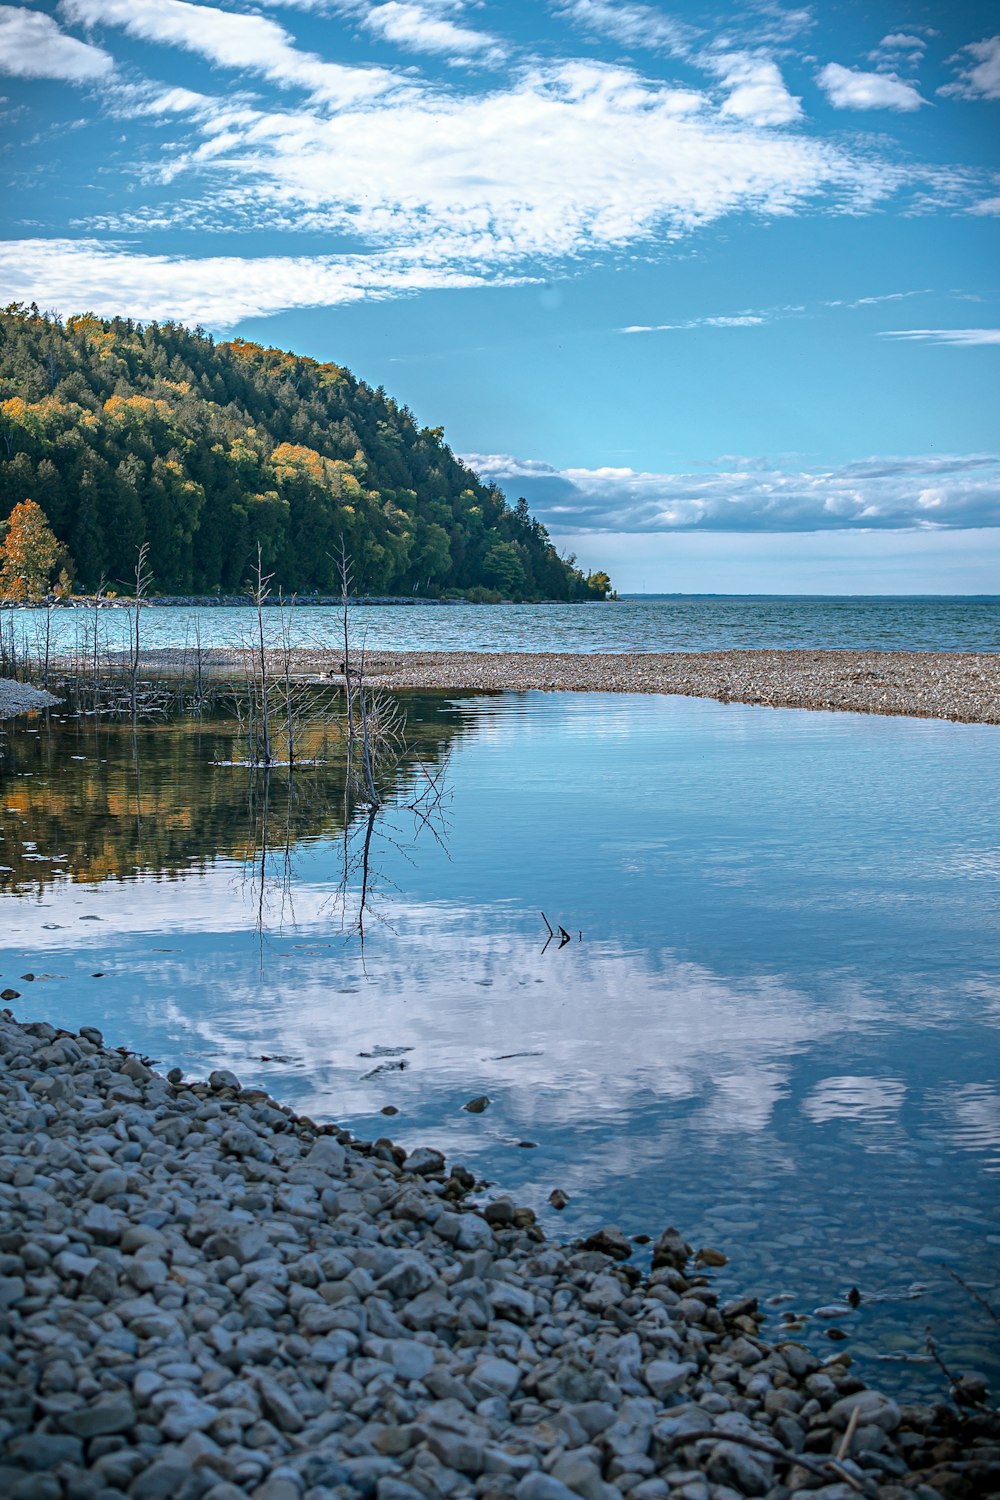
775, 1026
647, 623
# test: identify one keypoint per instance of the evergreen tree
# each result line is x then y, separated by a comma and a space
130, 433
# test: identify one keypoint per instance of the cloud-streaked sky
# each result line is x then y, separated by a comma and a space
608, 244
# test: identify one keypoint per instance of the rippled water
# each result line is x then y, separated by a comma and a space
775, 1024
669, 623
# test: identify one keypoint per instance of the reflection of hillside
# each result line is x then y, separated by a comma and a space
80, 801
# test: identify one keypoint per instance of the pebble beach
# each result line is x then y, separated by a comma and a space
205, 1296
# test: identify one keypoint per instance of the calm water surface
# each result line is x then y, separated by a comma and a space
648, 623
775, 1025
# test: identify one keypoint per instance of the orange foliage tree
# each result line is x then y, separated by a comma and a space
28, 554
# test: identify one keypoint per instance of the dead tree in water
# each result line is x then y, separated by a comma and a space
143, 578
260, 752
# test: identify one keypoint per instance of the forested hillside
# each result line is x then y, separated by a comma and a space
126, 434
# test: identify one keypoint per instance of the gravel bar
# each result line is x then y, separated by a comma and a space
204, 1296
963, 686
958, 685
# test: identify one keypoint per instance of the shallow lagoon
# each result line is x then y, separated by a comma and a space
775, 1025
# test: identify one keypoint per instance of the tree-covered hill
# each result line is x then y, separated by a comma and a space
126, 434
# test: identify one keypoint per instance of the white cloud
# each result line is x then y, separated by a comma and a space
986, 207
899, 49
849, 88
754, 496
979, 71
736, 320
569, 159
961, 338
230, 40
757, 89
902, 41
70, 276
421, 29
633, 25
32, 46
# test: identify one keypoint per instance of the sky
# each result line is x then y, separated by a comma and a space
716, 289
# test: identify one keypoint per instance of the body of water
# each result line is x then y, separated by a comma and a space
774, 1023
646, 623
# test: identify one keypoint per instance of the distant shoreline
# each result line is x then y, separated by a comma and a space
962, 686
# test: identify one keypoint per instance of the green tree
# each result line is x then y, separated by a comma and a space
503, 568
28, 554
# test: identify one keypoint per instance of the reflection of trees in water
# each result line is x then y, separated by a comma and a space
409, 803
91, 799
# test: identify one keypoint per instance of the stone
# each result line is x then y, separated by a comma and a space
102, 1224
511, 1302
493, 1376
478, 1104
671, 1250
112, 1182
327, 1155
747, 1471
408, 1278
536, 1486
456, 1450
114, 1412
425, 1162
409, 1359
43, 1451
164, 1479
609, 1241
278, 1404
665, 1376
474, 1233
221, 1078
181, 1412
874, 1410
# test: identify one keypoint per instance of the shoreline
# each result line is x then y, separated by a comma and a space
204, 1294
961, 686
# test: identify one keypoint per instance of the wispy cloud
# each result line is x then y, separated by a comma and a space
849, 88
899, 49
562, 161
422, 28
961, 338
978, 71
623, 159
757, 317
754, 496
633, 25
249, 43
33, 46
69, 276
735, 320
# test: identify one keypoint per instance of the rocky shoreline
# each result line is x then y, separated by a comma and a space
204, 1296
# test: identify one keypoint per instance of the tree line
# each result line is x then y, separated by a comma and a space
126, 434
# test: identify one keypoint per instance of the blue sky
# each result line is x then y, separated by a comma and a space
718, 290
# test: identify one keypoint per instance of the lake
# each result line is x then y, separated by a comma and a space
774, 1023
642, 623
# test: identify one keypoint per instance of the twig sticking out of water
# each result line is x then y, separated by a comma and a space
976, 1297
